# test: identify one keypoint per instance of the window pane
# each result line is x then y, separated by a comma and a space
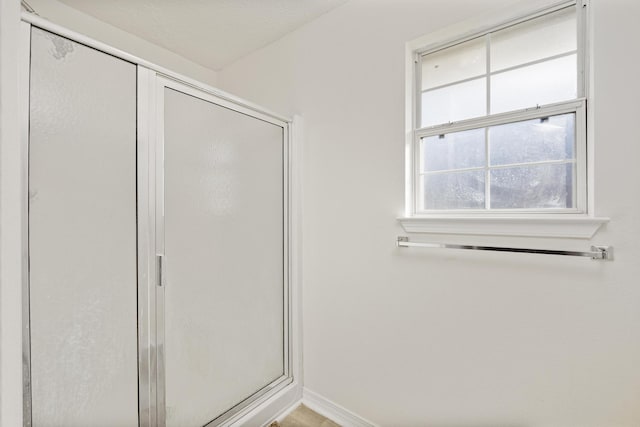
456, 190
536, 140
533, 187
539, 84
457, 150
533, 40
454, 103
456, 63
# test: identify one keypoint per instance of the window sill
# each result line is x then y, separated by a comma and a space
561, 226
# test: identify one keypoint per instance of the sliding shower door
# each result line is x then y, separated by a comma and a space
82, 236
224, 265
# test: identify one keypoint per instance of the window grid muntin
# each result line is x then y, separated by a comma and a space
505, 166
487, 173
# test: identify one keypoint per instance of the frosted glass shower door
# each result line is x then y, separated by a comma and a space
82, 236
224, 248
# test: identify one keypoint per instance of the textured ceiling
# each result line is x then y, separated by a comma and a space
213, 33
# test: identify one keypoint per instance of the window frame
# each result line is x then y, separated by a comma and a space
578, 106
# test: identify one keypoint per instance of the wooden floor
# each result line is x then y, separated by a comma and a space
304, 417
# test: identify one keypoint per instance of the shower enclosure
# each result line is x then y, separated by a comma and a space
159, 244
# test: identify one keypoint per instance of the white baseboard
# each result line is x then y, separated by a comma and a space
333, 411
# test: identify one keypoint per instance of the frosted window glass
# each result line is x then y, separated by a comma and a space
453, 103
455, 190
533, 187
456, 63
533, 40
456, 150
536, 140
539, 84
82, 236
224, 325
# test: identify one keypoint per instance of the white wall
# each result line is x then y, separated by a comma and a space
10, 221
410, 337
73, 19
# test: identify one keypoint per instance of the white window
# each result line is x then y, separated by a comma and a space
499, 119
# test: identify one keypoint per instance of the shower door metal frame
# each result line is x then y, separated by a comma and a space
151, 81
24, 76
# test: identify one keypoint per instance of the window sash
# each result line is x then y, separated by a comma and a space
488, 74
503, 118
577, 107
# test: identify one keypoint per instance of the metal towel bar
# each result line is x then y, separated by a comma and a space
596, 252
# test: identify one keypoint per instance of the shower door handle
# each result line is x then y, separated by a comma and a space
161, 271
